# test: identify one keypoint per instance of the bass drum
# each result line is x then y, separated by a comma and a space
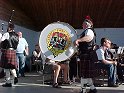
56, 41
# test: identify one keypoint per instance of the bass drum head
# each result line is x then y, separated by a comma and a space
56, 41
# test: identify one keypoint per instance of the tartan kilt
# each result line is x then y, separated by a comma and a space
87, 68
8, 59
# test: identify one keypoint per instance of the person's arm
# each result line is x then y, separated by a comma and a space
87, 38
109, 62
27, 50
101, 57
5, 36
122, 64
0, 36
34, 53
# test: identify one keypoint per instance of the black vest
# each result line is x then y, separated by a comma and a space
108, 55
12, 42
86, 46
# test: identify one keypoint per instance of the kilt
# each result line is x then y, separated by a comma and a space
86, 68
8, 59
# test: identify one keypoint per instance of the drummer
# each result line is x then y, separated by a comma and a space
58, 46
86, 66
57, 66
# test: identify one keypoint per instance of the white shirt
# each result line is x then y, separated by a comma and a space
21, 45
100, 54
89, 32
5, 36
37, 54
0, 36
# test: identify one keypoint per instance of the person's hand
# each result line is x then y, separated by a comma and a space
26, 53
115, 63
76, 43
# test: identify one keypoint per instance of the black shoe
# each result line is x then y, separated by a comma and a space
56, 85
7, 85
15, 80
113, 85
92, 91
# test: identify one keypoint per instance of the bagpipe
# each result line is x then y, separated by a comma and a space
9, 22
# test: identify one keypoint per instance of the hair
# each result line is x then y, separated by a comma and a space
104, 40
37, 45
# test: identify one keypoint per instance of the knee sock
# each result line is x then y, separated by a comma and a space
83, 82
13, 71
7, 77
90, 82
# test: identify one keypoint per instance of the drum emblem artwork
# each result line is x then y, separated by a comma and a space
56, 41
